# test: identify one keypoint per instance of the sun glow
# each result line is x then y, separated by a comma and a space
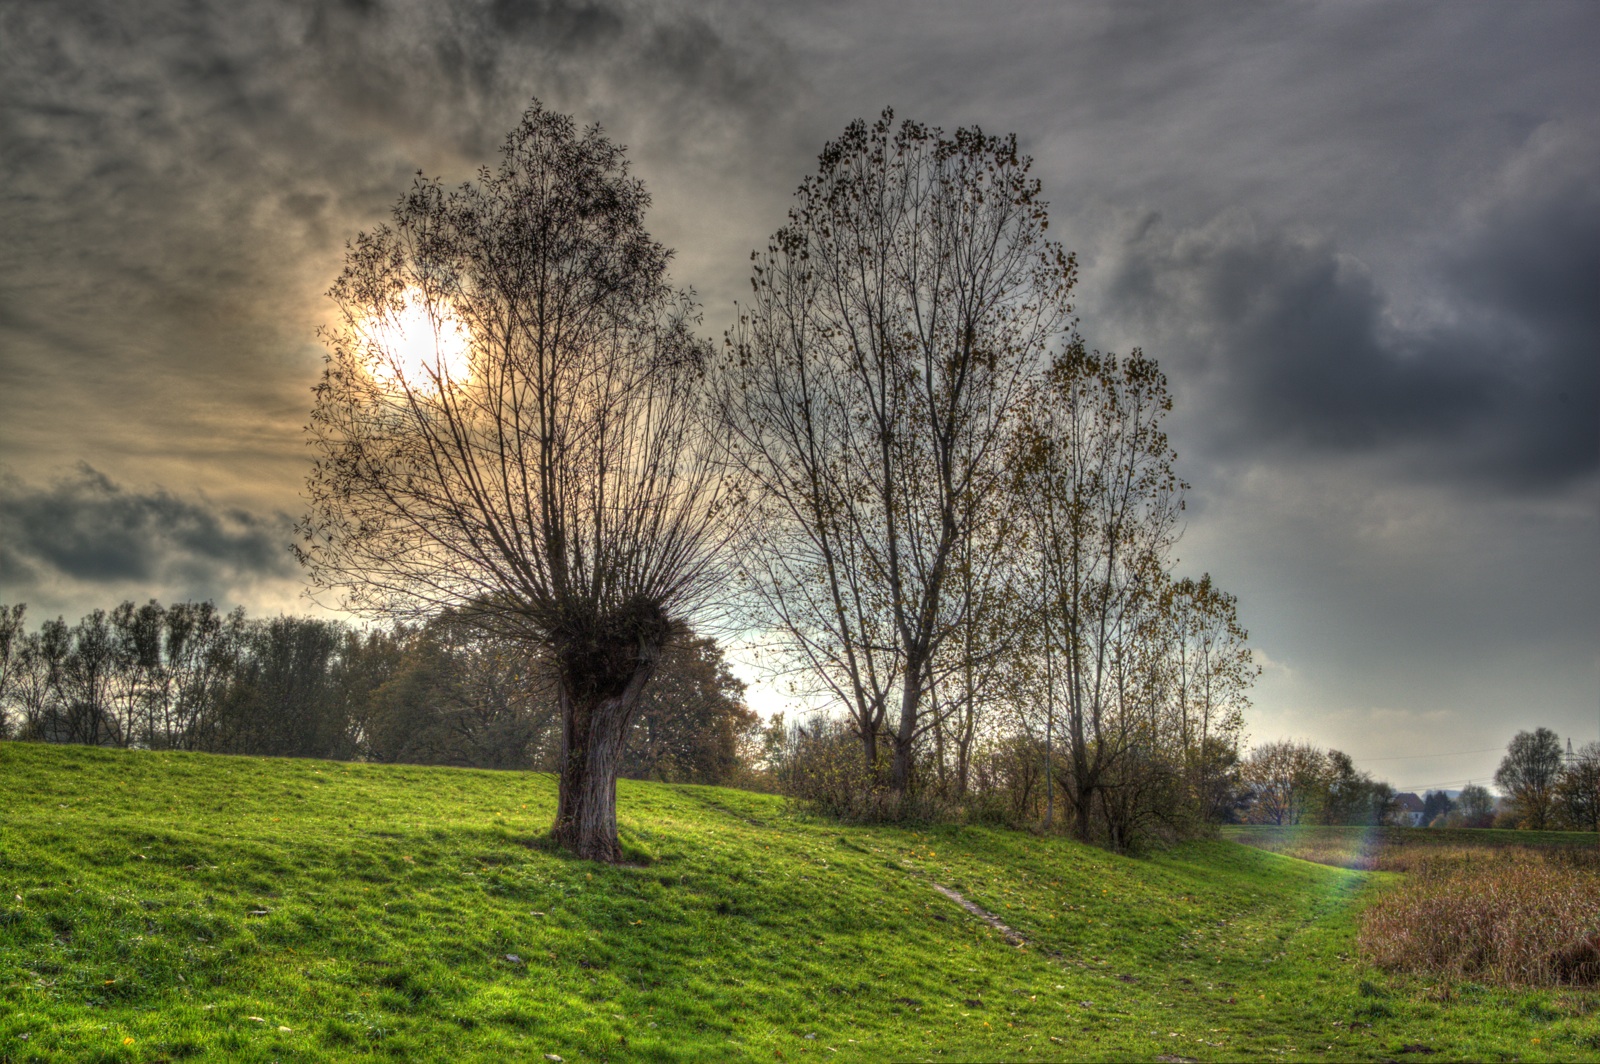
419, 346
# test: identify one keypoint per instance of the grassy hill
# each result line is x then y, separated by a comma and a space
171, 906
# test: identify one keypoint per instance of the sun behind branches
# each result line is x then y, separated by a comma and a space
420, 345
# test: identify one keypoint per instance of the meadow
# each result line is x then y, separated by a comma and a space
1513, 908
1394, 849
161, 906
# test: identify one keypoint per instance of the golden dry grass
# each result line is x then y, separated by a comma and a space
1514, 916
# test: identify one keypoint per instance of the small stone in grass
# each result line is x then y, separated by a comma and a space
513, 958
552, 1058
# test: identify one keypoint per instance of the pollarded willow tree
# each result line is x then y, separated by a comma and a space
897, 318
509, 427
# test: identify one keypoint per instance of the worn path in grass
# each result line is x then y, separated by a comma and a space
171, 906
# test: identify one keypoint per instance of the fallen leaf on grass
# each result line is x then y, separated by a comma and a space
258, 1019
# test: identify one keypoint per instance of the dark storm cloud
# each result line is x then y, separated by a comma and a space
86, 530
1369, 281
1291, 343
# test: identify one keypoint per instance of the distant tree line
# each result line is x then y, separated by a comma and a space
1545, 788
192, 677
1289, 782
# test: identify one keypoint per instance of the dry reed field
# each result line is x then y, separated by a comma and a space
1514, 916
1514, 909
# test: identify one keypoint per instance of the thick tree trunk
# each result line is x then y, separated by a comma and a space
1083, 815
595, 721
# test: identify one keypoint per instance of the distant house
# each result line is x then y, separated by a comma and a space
1408, 810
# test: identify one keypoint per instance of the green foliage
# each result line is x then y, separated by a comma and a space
445, 693
186, 906
693, 725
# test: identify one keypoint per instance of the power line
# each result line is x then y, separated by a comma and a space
1446, 783
1413, 757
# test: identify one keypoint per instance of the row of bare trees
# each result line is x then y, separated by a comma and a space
960, 518
953, 519
147, 675
188, 677
1295, 782
1159, 747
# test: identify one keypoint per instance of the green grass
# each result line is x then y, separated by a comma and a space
168, 906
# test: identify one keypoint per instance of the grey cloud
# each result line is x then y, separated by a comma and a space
1288, 342
176, 179
1386, 304
85, 529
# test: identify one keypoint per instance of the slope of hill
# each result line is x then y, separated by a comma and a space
172, 906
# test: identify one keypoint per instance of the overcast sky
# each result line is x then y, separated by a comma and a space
1362, 239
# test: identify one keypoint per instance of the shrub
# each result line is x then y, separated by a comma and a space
822, 767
